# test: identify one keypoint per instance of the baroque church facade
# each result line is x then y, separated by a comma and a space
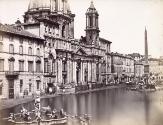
66, 60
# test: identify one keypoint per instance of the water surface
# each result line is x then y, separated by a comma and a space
109, 107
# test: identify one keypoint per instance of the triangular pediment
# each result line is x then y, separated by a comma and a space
81, 51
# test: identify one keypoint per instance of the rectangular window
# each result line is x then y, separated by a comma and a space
1, 37
11, 66
11, 48
30, 66
21, 40
49, 66
1, 47
53, 67
30, 42
11, 38
38, 85
21, 66
1, 65
38, 52
29, 51
1, 90
21, 49
21, 86
38, 67
64, 66
46, 66
30, 87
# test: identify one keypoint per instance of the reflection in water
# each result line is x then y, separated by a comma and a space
147, 108
109, 107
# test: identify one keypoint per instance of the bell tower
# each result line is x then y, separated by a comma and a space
92, 27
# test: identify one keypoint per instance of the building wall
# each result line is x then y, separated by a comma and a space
156, 68
24, 75
139, 69
122, 66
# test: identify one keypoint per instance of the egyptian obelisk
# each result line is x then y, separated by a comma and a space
146, 64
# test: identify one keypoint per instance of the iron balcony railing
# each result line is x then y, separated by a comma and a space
12, 73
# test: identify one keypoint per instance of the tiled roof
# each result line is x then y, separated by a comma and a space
17, 31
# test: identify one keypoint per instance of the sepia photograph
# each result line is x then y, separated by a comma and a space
81, 62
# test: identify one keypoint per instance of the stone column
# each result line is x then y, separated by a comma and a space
82, 73
55, 70
68, 71
89, 72
60, 79
94, 20
74, 72
100, 75
93, 72
59, 5
71, 71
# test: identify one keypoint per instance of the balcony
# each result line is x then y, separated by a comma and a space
50, 74
12, 74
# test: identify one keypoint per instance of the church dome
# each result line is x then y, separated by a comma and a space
52, 5
39, 4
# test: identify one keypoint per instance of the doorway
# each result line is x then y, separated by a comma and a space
11, 89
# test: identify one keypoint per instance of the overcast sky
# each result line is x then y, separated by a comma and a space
121, 21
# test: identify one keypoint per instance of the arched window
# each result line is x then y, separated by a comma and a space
11, 48
20, 49
38, 52
30, 51
90, 21
38, 66
1, 47
21, 65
